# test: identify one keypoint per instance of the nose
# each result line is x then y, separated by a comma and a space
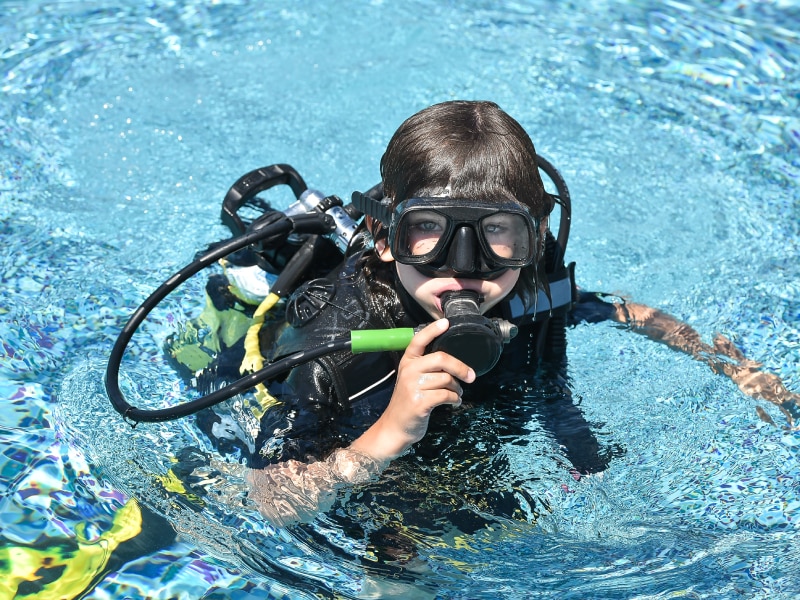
463, 254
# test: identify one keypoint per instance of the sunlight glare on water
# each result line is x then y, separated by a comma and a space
675, 125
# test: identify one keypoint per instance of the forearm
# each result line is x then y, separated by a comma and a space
296, 491
722, 356
384, 442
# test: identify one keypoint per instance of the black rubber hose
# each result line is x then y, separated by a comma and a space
138, 415
564, 200
115, 359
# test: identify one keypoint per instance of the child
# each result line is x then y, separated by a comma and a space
344, 418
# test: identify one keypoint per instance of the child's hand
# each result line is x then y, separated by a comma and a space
754, 382
424, 381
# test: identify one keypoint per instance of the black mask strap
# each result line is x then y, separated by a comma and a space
377, 209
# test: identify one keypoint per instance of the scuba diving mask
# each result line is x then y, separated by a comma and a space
455, 237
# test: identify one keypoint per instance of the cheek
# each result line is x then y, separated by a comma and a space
500, 288
410, 278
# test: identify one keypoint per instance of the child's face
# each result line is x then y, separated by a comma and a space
427, 291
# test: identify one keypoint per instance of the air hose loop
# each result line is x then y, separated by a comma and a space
115, 359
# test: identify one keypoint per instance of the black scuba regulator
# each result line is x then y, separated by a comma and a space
471, 337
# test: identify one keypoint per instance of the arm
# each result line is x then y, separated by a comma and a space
424, 381
295, 490
723, 357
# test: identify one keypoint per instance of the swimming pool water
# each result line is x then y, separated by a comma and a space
675, 125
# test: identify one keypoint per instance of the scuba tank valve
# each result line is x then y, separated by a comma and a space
344, 219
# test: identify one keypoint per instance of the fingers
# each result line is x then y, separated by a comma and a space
438, 361
435, 381
429, 389
438, 388
427, 400
425, 336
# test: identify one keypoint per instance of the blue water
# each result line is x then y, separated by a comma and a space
675, 124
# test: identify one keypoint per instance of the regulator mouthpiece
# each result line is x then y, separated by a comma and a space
471, 337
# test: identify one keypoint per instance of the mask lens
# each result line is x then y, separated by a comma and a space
421, 232
507, 236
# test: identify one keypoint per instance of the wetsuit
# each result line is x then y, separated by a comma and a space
463, 475
328, 403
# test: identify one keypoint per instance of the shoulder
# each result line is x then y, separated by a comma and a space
595, 307
328, 308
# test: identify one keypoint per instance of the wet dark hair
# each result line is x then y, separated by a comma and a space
464, 149
468, 149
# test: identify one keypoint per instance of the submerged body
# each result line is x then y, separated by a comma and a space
328, 403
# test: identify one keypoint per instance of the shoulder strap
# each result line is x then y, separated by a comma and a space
562, 297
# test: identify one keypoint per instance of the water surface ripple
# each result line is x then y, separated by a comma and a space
675, 123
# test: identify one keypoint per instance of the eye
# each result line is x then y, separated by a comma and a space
500, 225
423, 230
495, 228
426, 226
